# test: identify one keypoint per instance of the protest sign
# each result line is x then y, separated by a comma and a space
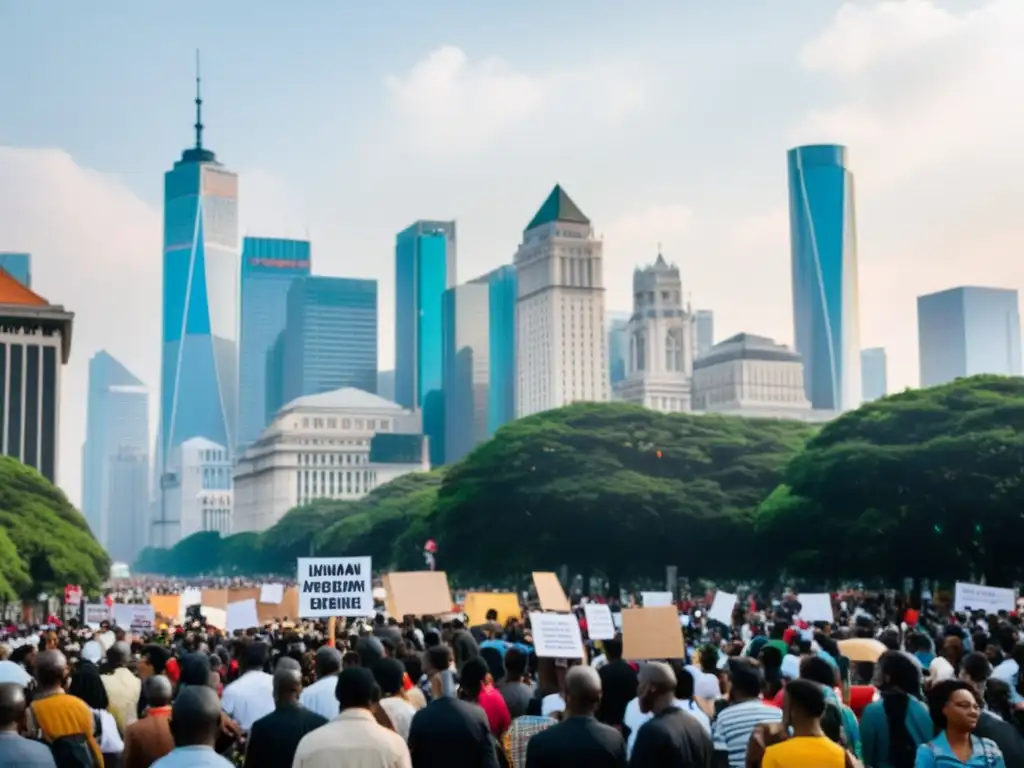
722, 607
656, 599
556, 635
272, 593
549, 591
135, 618
599, 621
816, 607
96, 614
979, 597
335, 586
241, 616
477, 604
652, 633
191, 596
417, 593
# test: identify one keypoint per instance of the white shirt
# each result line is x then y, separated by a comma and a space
320, 697
110, 740
249, 698
552, 703
634, 718
400, 712
705, 685
353, 740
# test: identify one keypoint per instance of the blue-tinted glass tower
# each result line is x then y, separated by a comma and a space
873, 372
18, 266
967, 331
467, 367
199, 360
330, 337
823, 239
424, 270
269, 267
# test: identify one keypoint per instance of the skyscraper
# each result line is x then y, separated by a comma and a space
467, 370
823, 239
502, 325
18, 266
966, 331
561, 354
425, 255
269, 267
199, 360
873, 374
703, 331
618, 347
386, 384
330, 338
115, 457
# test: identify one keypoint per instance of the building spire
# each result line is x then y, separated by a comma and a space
199, 107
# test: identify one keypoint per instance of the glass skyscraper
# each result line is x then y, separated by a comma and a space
330, 337
425, 256
269, 267
874, 379
703, 331
503, 287
823, 240
467, 369
18, 266
967, 331
618, 346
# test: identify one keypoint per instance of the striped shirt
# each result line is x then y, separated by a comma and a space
734, 725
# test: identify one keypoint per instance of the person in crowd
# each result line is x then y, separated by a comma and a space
732, 729
517, 738
413, 672
354, 737
995, 722
153, 661
251, 696
275, 738
87, 684
1008, 671
705, 677
618, 684
123, 688
15, 750
463, 644
56, 716
955, 710
892, 728
672, 738
517, 694
195, 725
321, 697
580, 739
635, 717
149, 739
808, 746
389, 674
843, 727
476, 686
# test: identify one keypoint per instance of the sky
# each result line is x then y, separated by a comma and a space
666, 121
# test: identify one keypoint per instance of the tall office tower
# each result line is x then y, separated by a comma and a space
199, 360
966, 331
466, 370
425, 255
35, 343
386, 385
561, 349
703, 331
660, 358
330, 338
823, 240
116, 448
618, 347
874, 378
503, 287
269, 267
18, 266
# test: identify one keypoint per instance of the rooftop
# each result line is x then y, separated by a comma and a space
558, 207
747, 346
22, 304
344, 398
12, 291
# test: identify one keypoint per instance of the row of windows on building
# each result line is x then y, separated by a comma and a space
332, 459
373, 425
333, 484
668, 404
217, 519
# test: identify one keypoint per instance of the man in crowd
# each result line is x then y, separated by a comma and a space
672, 738
321, 697
15, 750
251, 696
123, 688
195, 724
149, 739
56, 716
274, 738
733, 727
618, 684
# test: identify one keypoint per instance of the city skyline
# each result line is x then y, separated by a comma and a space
936, 163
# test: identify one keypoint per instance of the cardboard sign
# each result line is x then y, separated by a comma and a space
477, 604
417, 593
722, 607
652, 633
556, 635
550, 593
335, 586
979, 597
136, 618
599, 621
168, 606
96, 614
215, 598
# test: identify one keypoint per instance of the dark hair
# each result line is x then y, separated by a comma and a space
817, 670
87, 685
157, 657
613, 649
899, 672
940, 694
976, 667
350, 659
439, 657
807, 696
389, 674
474, 673
998, 698
515, 662
709, 659
747, 676
356, 689
684, 684
492, 615
255, 655
413, 666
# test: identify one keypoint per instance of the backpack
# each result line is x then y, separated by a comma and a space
73, 751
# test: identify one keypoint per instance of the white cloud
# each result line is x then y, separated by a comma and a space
268, 207
447, 103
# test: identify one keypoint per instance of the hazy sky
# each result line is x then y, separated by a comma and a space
666, 121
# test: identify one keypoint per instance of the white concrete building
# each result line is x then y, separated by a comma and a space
561, 348
659, 358
335, 445
197, 490
748, 375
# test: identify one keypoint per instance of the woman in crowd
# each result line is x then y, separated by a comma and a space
892, 728
955, 710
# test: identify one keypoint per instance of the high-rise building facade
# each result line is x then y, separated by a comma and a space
823, 240
659, 363
35, 343
18, 266
703, 331
330, 337
199, 360
618, 347
467, 370
425, 267
386, 384
874, 378
115, 501
561, 354
197, 487
503, 288
269, 267
967, 331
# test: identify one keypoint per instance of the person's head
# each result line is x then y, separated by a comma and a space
709, 659
437, 659
51, 670
119, 655
87, 685
349, 659
746, 678
153, 661
515, 664
195, 717
287, 682
976, 669
492, 615
952, 648
998, 698
370, 651
255, 656
657, 686
582, 691
390, 676
158, 691
918, 642
194, 670
954, 705
474, 676
685, 684
899, 673
12, 706
804, 704
817, 670
328, 662
356, 689
613, 649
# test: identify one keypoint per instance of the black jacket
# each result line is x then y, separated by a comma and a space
449, 733
275, 737
577, 741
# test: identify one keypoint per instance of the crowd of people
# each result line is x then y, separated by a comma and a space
769, 690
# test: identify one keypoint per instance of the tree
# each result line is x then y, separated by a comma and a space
928, 482
295, 534
45, 543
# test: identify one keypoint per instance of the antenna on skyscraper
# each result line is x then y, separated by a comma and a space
199, 107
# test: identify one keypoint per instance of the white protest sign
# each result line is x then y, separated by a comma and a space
617, 619
215, 617
722, 607
271, 594
556, 635
599, 621
656, 599
242, 615
191, 596
978, 597
136, 618
335, 586
816, 607
96, 614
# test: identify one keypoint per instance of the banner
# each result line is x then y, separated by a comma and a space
96, 614
335, 586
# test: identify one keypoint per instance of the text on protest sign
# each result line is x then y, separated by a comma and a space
136, 618
556, 635
335, 586
96, 614
979, 597
599, 621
